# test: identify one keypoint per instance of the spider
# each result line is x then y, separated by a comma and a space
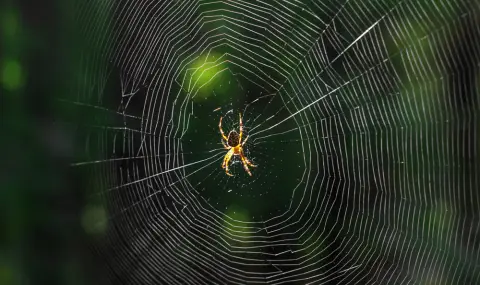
234, 144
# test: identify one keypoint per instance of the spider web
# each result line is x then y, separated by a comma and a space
361, 117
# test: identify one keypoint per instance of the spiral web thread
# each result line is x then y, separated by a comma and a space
367, 110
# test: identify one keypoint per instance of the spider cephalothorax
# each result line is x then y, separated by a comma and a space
234, 144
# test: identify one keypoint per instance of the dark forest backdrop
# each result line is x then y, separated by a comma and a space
363, 117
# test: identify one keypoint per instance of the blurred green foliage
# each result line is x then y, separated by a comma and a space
41, 239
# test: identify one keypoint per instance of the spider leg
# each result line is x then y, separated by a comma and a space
245, 140
226, 160
241, 128
225, 145
248, 162
221, 131
245, 164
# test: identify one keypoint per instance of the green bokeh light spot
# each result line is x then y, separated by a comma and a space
205, 75
11, 75
94, 219
238, 226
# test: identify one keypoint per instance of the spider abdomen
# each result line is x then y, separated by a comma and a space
233, 139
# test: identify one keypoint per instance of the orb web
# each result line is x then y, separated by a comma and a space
360, 117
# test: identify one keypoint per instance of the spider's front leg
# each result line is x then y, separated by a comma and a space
241, 128
225, 145
221, 131
246, 139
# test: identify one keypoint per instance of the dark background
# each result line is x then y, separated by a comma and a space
52, 214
